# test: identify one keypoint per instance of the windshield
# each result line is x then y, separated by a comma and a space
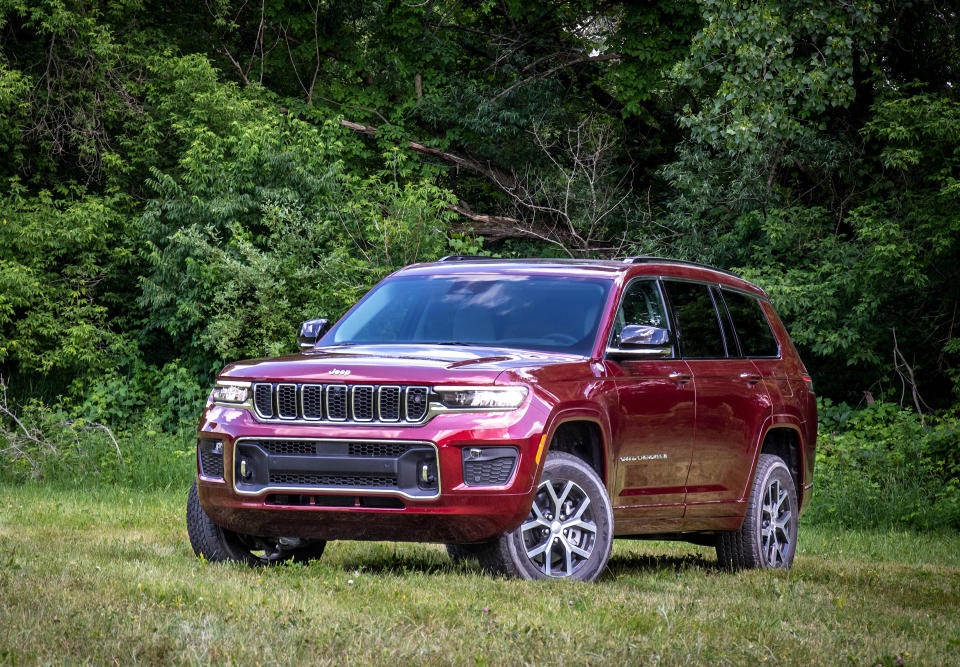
548, 313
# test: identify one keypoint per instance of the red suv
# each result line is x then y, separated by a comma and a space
524, 412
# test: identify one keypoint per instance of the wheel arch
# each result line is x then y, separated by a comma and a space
582, 433
784, 438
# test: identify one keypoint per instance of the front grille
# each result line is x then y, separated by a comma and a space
353, 481
290, 447
316, 465
340, 402
379, 449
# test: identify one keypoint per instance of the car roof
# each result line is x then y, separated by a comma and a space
599, 268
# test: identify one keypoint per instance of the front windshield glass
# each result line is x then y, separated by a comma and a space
548, 313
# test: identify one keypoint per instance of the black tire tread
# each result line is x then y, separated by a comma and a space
738, 549
209, 540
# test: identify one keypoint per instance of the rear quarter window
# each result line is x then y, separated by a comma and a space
753, 330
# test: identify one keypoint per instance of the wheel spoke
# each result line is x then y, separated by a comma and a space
780, 501
553, 497
580, 552
588, 526
568, 557
563, 497
537, 550
536, 523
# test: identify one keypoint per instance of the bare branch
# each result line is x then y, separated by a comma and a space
570, 63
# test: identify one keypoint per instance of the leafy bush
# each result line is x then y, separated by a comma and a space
53, 443
882, 466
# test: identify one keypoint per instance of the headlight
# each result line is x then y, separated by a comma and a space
230, 392
479, 398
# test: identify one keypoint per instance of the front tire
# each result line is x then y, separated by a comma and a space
768, 537
463, 552
569, 532
216, 544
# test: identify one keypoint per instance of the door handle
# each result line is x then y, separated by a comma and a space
750, 378
680, 378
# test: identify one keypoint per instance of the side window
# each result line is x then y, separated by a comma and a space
641, 304
753, 330
698, 327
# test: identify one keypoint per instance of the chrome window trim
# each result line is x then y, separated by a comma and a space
360, 491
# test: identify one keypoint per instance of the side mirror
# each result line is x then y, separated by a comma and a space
310, 331
637, 340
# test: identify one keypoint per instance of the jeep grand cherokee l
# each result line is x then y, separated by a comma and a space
522, 412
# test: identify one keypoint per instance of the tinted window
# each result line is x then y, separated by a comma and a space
697, 325
550, 313
641, 304
753, 330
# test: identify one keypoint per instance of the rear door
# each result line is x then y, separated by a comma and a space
731, 405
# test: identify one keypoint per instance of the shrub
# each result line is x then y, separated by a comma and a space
883, 466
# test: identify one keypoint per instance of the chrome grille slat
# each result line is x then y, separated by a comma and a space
287, 401
388, 404
416, 403
361, 402
337, 402
311, 401
263, 399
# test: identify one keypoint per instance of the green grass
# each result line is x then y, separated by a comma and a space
107, 575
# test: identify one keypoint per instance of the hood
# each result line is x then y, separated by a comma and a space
399, 364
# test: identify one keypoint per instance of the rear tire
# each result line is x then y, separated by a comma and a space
216, 544
569, 532
768, 537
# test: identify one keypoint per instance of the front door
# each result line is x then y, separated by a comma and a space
655, 420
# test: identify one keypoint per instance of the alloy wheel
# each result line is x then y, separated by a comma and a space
560, 534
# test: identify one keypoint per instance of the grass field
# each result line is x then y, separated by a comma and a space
107, 576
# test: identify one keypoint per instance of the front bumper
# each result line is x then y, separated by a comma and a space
453, 511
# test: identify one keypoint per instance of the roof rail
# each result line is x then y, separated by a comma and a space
462, 258
647, 259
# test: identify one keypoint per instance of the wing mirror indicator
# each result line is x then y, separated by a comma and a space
310, 332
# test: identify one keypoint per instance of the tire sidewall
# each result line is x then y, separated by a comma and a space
563, 466
772, 468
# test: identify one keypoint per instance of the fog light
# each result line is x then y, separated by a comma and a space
427, 475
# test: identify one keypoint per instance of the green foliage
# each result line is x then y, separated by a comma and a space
62, 251
881, 467
259, 225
